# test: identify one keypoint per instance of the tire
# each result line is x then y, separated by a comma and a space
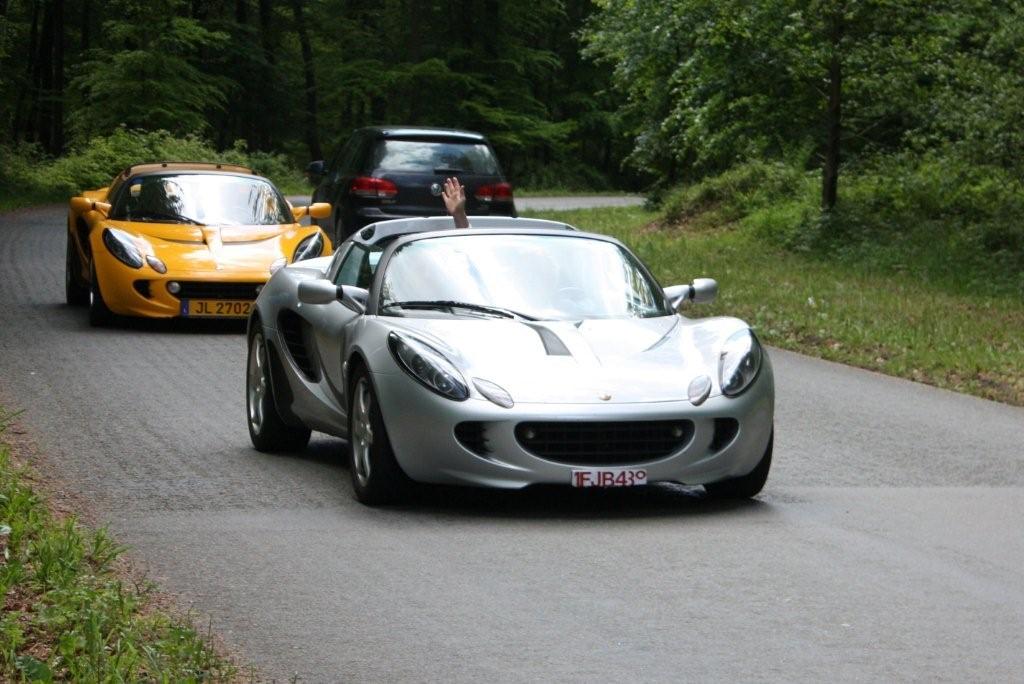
76, 293
267, 430
748, 485
376, 476
99, 314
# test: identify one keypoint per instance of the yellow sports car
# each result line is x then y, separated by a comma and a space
183, 239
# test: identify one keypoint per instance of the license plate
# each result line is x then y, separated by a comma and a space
215, 307
609, 477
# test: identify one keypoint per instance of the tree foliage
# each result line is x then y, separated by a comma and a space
155, 80
709, 84
299, 75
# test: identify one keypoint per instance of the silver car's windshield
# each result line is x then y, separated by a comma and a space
545, 277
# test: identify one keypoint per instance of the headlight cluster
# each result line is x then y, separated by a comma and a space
309, 248
429, 367
123, 247
739, 362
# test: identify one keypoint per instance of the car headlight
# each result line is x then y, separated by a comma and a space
429, 367
122, 246
309, 248
739, 362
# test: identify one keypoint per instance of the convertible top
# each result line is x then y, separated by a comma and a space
375, 232
158, 167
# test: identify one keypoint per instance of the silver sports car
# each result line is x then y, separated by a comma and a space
513, 353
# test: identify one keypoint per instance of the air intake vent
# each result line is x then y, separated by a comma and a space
292, 328
199, 290
473, 436
142, 287
605, 443
725, 432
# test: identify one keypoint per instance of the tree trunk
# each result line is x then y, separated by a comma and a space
56, 132
833, 118
312, 136
265, 114
86, 25
21, 127
42, 80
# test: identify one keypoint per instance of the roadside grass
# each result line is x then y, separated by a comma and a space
68, 615
894, 323
11, 201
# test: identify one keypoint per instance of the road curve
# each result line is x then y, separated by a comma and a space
887, 545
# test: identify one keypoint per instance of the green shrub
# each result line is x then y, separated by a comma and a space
726, 198
26, 173
938, 217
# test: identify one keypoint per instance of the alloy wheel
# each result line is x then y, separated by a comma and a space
258, 383
362, 431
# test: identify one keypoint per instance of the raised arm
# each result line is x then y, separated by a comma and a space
454, 196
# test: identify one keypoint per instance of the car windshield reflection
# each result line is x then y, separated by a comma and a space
545, 277
201, 199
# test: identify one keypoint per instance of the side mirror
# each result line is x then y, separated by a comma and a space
320, 210
700, 291
315, 171
355, 298
318, 291
704, 290
82, 205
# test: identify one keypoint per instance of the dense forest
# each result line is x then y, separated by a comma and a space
871, 119
296, 76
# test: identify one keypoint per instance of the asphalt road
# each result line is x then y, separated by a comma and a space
886, 546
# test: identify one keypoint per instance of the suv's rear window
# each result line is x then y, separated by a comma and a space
432, 156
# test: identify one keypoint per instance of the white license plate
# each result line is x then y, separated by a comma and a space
609, 477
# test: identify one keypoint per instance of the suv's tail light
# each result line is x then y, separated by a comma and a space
364, 186
498, 192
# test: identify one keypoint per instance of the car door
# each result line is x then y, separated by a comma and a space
331, 322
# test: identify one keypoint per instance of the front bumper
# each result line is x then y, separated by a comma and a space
143, 292
421, 427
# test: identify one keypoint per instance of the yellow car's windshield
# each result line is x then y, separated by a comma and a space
202, 199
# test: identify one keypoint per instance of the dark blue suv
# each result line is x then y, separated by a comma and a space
396, 172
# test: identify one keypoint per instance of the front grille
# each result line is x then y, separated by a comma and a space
200, 290
604, 443
472, 436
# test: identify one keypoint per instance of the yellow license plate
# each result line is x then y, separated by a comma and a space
215, 307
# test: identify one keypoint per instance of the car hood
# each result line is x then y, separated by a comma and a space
215, 248
593, 361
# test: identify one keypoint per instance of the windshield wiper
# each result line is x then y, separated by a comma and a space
168, 214
451, 304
